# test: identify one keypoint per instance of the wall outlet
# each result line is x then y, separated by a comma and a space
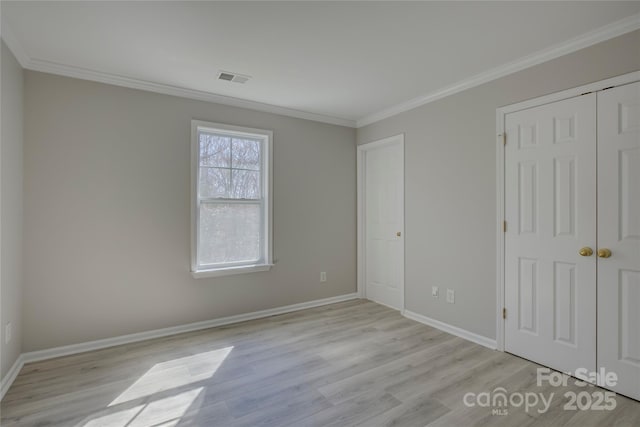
451, 296
434, 291
7, 333
323, 276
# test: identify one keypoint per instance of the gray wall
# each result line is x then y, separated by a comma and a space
107, 207
11, 139
450, 155
107, 203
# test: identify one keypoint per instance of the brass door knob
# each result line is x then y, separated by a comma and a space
399, 234
586, 251
604, 253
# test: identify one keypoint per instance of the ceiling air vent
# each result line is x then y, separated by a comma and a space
233, 77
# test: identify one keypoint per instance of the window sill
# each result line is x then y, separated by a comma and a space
228, 271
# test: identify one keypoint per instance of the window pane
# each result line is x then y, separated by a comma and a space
245, 184
246, 154
215, 150
214, 182
229, 233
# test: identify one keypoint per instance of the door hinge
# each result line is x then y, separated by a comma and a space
504, 226
504, 138
504, 313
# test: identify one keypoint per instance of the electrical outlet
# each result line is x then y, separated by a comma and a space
323, 276
434, 291
7, 333
451, 296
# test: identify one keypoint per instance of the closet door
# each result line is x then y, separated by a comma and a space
619, 236
550, 208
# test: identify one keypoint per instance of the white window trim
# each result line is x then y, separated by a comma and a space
267, 179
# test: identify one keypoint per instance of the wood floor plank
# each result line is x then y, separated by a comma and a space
418, 411
362, 408
349, 364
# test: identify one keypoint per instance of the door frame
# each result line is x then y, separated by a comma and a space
361, 153
500, 171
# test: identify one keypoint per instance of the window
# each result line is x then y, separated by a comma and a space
231, 199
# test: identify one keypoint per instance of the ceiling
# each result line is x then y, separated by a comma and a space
340, 62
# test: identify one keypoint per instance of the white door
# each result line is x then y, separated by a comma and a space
550, 209
383, 165
619, 232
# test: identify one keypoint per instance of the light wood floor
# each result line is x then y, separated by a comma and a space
354, 363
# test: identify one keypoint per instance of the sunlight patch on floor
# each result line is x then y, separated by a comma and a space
157, 412
118, 418
174, 373
167, 409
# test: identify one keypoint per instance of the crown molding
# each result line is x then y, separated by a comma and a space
14, 45
615, 29
117, 80
35, 64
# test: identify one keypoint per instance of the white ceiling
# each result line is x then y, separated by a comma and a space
346, 60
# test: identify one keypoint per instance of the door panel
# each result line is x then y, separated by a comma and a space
528, 209
564, 172
384, 219
619, 231
550, 206
564, 288
528, 290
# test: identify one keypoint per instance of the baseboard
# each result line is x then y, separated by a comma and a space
453, 330
35, 356
11, 376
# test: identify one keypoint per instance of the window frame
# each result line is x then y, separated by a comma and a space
266, 202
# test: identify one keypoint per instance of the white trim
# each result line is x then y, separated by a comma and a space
607, 32
570, 93
228, 271
166, 89
500, 165
360, 185
500, 304
360, 273
11, 375
118, 80
453, 330
36, 356
266, 201
14, 45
